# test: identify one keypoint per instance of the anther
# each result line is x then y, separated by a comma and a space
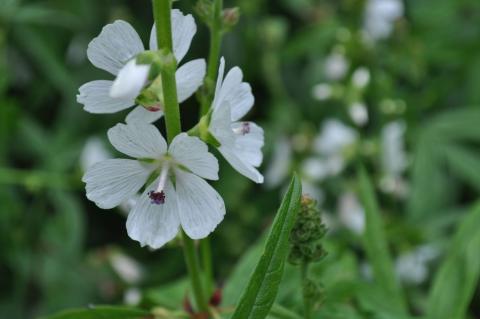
243, 129
158, 196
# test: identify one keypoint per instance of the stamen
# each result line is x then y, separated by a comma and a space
243, 129
158, 196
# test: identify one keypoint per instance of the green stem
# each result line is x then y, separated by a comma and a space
206, 253
163, 24
191, 259
213, 59
216, 33
162, 15
306, 301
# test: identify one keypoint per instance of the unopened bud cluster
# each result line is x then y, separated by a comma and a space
313, 291
228, 17
305, 239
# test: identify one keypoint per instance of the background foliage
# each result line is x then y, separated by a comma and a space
58, 250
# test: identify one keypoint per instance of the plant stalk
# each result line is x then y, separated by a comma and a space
162, 16
307, 304
216, 33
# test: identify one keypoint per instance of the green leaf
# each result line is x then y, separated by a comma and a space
376, 246
258, 297
457, 278
465, 163
102, 312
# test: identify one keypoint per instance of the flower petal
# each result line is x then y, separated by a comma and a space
113, 181
192, 153
151, 224
241, 101
95, 97
115, 45
141, 115
218, 86
235, 92
130, 80
138, 140
200, 207
250, 145
183, 30
189, 78
240, 164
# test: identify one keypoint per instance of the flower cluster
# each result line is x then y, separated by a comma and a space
169, 178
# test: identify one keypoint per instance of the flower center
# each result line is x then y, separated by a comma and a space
158, 195
243, 129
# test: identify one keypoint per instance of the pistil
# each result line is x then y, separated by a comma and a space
158, 196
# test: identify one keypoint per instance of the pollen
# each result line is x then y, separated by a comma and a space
157, 198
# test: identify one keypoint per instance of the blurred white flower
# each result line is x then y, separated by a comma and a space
126, 267
361, 77
351, 213
164, 206
320, 168
93, 152
334, 138
313, 191
240, 142
281, 160
336, 66
322, 91
315, 169
132, 296
394, 158
412, 267
115, 51
380, 16
358, 113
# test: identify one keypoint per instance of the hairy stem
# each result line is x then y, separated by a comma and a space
216, 33
213, 58
162, 15
163, 25
307, 305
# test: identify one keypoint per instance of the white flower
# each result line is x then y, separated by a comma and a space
351, 213
115, 51
322, 91
334, 138
412, 267
361, 77
394, 158
380, 16
358, 113
240, 142
177, 196
280, 162
336, 66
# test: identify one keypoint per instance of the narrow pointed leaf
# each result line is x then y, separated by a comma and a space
375, 245
455, 282
258, 297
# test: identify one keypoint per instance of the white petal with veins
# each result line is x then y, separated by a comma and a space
201, 208
114, 46
113, 181
138, 140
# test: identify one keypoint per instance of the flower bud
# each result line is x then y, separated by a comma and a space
204, 9
230, 17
